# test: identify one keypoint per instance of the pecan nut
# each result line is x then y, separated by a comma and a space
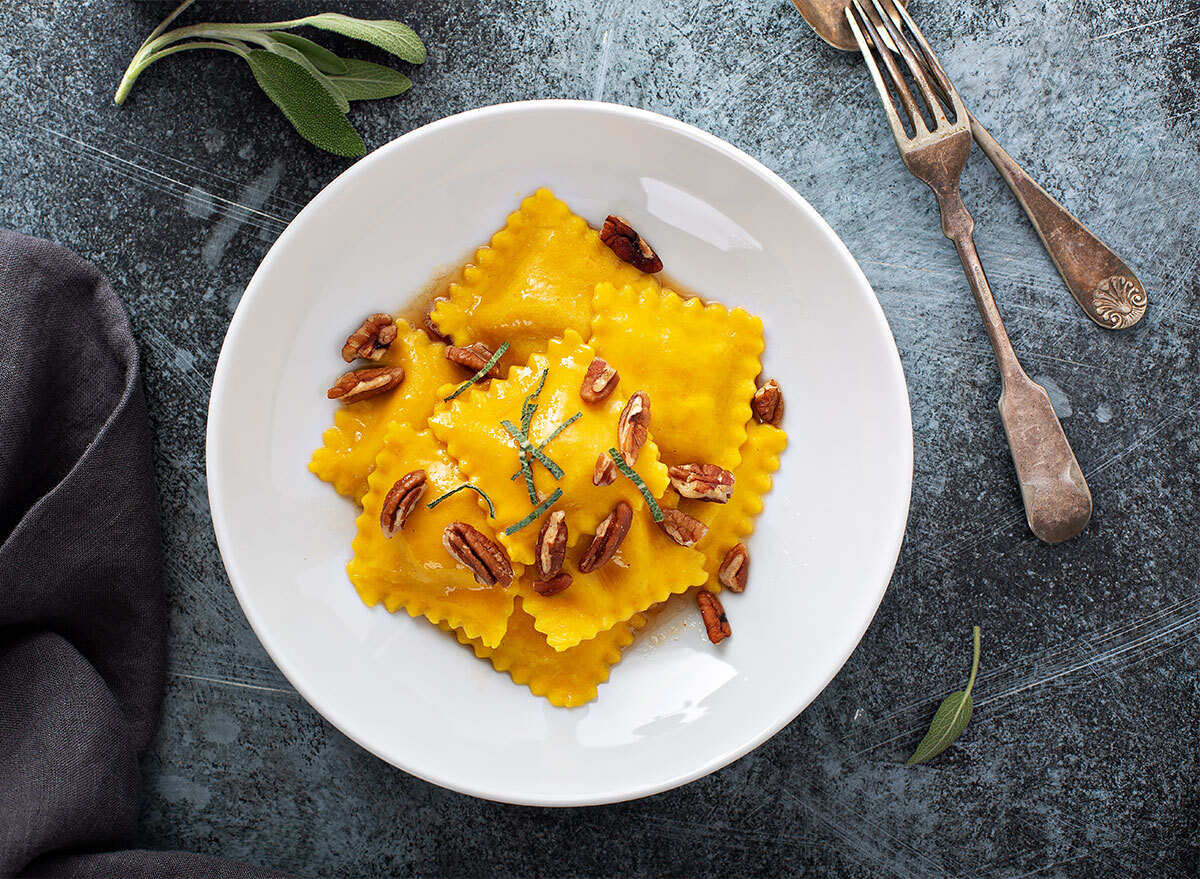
553, 585
401, 500
600, 381
362, 384
608, 538
702, 482
371, 340
474, 357
623, 240
735, 568
474, 551
605, 472
768, 404
633, 426
682, 528
552, 545
716, 624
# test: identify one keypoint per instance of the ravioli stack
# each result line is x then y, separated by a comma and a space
550, 289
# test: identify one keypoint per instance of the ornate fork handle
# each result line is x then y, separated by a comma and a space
1104, 286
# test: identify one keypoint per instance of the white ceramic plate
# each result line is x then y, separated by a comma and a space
677, 707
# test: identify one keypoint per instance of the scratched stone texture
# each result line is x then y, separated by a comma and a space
1083, 758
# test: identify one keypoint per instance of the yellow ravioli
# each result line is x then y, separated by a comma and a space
728, 523
470, 426
534, 282
648, 568
697, 362
348, 454
413, 570
567, 678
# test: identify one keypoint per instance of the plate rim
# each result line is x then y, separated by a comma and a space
223, 377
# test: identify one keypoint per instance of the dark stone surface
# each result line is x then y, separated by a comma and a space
1083, 758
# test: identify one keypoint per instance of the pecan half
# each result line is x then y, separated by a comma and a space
474, 357
553, 585
633, 426
735, 568
768, 404
608, 538
600, 381
702, 482
474, 551
682, 528
623, 240
552, 545
716, 624
605, 472
362, 384
371, 340
401, 500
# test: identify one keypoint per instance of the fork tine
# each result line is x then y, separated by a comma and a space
885, 97
886, 49
897, 79
934, 65
936, 112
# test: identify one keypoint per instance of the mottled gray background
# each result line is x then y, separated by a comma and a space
1083, 757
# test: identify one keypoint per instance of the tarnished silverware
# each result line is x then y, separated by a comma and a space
828, 19
1103, 285
1058, 503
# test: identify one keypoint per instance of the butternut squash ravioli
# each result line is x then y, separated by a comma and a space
562, 444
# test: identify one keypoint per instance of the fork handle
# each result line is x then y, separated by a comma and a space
1104, 286
1058, 503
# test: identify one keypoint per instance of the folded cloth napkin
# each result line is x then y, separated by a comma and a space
83, 618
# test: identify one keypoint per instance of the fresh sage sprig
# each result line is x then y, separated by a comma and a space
951, 719
310, 84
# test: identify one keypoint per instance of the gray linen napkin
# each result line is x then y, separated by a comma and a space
83, 618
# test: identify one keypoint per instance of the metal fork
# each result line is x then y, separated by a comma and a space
1058, 503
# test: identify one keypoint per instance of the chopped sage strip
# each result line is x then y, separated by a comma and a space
476, 488
534, 515
487, 367
527, 469
631, 474
526, 461
551, 439
530, 405
528, 408
554, 435
529, 449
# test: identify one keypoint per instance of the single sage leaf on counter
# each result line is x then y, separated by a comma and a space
951, 719
306, 104
280, 47
391, 36
321, 58
364, 81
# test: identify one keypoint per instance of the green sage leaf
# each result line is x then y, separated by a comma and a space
531, 451
392, 36
951, 718
475, 488
534, 514
364, 81
479, 376
305, 102
321, 58
629, 473
292, 54
542, 446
